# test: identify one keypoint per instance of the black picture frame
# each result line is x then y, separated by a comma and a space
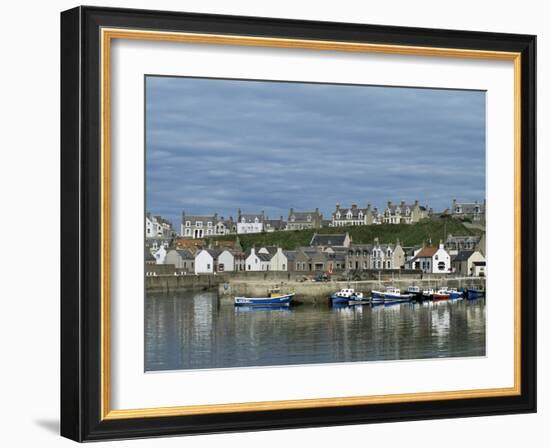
81, 224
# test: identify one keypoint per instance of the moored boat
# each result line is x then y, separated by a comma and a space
441, 294
472, 293
415, 291
346, 295
274, 298
393, 295
427, 294
455, 294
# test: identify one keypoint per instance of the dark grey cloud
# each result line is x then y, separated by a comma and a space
217, 145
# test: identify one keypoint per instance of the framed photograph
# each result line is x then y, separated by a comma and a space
274, 223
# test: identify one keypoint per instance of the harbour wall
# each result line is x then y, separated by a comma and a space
312, 292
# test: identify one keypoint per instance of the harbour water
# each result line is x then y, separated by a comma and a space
195, 330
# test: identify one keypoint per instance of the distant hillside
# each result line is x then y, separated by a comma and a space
408, 234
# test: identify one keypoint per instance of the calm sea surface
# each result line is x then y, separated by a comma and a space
193, 330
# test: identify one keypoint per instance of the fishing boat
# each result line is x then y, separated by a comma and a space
415, 291
346, 295
455, 294
274, 298
393, 295
427, 294
441, 294
472, 293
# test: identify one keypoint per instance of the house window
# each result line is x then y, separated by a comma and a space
249, 267
441, 265
188, 231
187, 223
209, 224
220, 267
284, 267
198, 224
208, 266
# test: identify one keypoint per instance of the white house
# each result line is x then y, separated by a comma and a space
226, 261
157, 227
250, 223
160, 254
257, 261
432, 260
204, 262
279, 261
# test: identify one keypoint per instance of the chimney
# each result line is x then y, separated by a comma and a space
317, 210
441, 244
291, 211
389, 204
337, 206
376, 241
402, 203
281, 217
354, 205
416, 202
215, 216
239, 213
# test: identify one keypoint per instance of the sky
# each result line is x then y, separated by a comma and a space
216, 145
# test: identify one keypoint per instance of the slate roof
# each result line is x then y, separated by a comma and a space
264, 257
185, 254
251, 217
303, 216
468, 208
278, 224
149, 256
463, 255
202, 218
463, 239
335, 239
290, 254
354, 212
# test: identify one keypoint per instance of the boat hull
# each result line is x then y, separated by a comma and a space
437, 296
264, 301
474, 294
396, 298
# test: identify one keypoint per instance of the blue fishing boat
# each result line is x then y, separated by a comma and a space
259, 308
455, 294
274, 298
472, 293
393, 295
345, 296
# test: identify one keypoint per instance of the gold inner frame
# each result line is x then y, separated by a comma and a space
107, 35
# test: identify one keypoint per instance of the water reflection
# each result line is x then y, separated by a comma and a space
193, 330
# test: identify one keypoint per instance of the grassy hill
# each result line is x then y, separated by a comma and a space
408, 234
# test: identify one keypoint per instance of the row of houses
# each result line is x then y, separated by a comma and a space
202, 226
327, 253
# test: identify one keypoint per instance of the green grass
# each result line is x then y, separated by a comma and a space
408, 234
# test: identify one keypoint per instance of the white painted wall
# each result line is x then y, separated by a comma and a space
228, 260
253, 262
279, 261
204, 263
441, 256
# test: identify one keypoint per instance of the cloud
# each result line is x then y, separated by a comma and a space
219, 145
